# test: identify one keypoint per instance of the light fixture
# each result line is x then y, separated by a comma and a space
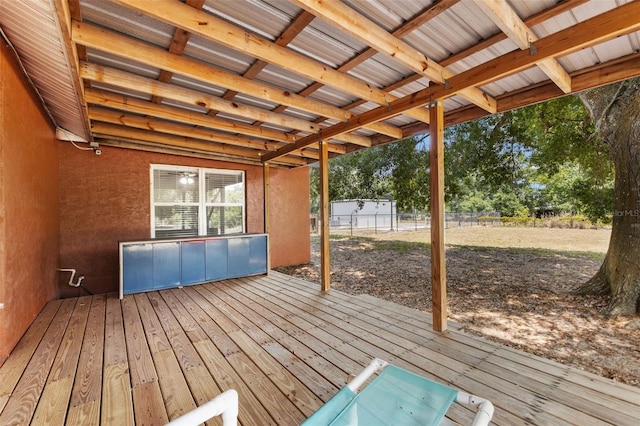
187, 178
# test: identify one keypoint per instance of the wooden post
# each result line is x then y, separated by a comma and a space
325, 266
438, 271
265, 192
267, 216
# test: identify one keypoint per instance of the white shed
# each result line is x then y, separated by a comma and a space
363, 214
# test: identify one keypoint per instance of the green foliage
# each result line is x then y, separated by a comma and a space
399, 170
541, 157
545, 155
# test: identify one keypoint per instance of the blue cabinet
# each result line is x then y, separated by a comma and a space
192, 262
166, 265
159, 264
216, 259
137, 266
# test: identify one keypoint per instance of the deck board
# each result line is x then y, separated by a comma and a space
284, 345
22, 404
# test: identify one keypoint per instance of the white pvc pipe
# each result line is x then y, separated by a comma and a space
375, 365
484, 408
73, 274
225, 404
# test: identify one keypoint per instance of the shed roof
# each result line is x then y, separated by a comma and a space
265, 80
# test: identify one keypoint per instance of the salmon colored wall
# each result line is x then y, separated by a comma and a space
289, 216
105, 199
29, 219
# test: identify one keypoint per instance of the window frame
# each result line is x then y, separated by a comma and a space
202, 203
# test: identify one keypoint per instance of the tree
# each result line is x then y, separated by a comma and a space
615, 110
544, 154
398, 169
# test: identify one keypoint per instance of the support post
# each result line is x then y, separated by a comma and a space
325, 268
267, 210
438, 271
265, 192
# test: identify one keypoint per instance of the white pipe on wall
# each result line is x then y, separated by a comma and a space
73, 274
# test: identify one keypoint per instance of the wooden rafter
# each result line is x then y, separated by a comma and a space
598, 75
227, 34
438, 7
107, 41
553, 11
298, 24
126, 80
113, 131
177, 46
149, 86
431, 12
281, 130
508, 20
141, 119
597, 29
348, 20
66, 12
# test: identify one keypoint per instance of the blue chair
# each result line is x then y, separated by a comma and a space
395, 397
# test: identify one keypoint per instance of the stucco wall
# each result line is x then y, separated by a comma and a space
289, 213
105, 199
29, 219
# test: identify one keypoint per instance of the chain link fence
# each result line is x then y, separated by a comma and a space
380, 222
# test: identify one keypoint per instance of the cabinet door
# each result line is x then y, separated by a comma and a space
239, 253
166, 265
193, 262
137, 268
216, 262
258, 255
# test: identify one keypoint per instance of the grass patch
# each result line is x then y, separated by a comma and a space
396, 245
536, 251
403, 247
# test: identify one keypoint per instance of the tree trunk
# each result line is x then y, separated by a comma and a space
616, 111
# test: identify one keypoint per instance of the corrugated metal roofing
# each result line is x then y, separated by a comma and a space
457, 34
45, 57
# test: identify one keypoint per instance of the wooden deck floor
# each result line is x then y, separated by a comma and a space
283, 345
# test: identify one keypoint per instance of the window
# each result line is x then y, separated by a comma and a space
189, 201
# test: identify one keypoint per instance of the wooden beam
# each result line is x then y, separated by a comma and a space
64, 12
325, 262
106, 130
265, 190
149, 86
348, 20
436, 165
133, 105
603, 27
152, 124
609, 72
234, 37
558, 8
266, 180
503, 15
178, 43
138, 145
429, 13
171, 129
592, 31
354, 139
298, 24
132, 49
126, 80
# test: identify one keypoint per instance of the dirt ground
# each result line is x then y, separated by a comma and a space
520, 297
